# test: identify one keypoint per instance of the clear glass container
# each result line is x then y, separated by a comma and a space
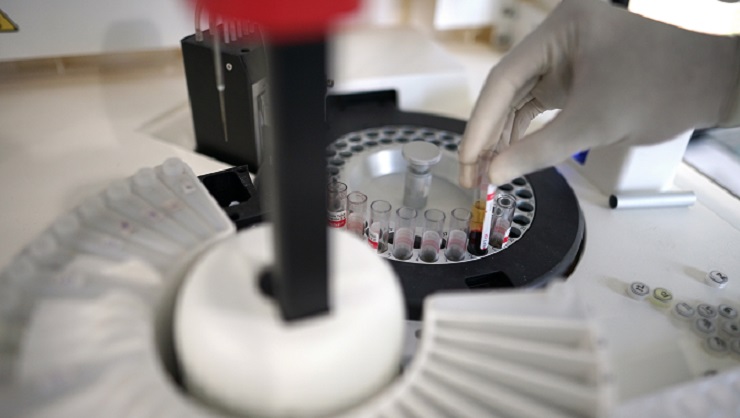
404, 233
431, 237
503, 214
380, 217
480, 221
420, 157
336, 205
357, 213
457, 237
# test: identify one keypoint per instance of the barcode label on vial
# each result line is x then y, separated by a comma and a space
487, 217
337, 219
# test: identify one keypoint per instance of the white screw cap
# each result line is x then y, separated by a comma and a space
421, 153
716, 278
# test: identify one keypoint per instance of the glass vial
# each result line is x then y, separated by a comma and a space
357, 213
336, 205
457, 238
404, 233
480, 221
420, 157
431, 237
380, 218
503, 214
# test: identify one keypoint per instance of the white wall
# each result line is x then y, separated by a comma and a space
456, 14
82, 27
54, 28
708, 16
432, 15
51, 28
376, 12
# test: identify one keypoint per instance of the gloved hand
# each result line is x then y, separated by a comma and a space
618, 77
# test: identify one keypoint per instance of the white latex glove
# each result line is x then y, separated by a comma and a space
618, 77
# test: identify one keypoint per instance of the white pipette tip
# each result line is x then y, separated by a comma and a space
92, 206
66, 225
43, 246
118, 190
21, 269
173, 167
145, 177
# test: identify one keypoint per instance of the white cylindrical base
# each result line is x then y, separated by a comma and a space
238, 354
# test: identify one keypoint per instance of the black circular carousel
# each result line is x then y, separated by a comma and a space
366, 135
367, 132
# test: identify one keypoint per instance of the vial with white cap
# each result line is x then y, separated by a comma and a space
420, 156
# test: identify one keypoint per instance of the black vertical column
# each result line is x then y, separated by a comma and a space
298, 85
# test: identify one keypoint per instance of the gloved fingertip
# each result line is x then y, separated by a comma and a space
467, 175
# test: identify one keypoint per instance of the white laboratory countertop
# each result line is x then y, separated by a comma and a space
64, 137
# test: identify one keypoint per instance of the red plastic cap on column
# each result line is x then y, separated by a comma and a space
283, 19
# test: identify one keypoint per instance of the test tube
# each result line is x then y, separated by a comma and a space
457, 238
380, 217
431, 237
480, 221
336, 205
404, 233
357, 212
503, 213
